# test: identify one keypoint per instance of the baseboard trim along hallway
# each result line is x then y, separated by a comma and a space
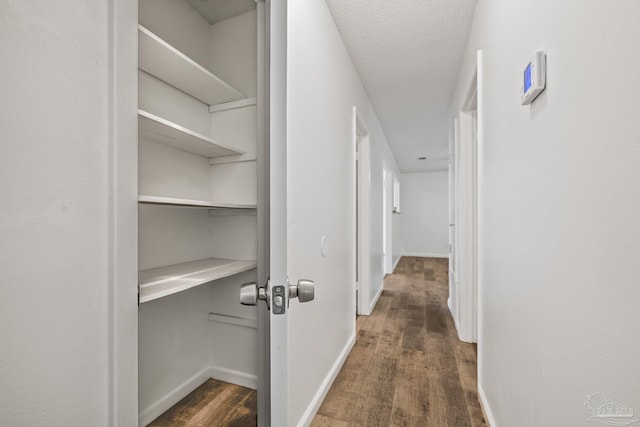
313, 407
486, 409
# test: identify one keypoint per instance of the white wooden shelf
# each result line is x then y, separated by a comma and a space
171, 201
157, 129
164, 281
160, 59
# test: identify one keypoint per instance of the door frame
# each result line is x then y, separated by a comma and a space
454, 247
362, 149
122, 323
387, 219
466, 170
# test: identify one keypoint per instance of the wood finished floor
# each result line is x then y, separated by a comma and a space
213, 404
408, 367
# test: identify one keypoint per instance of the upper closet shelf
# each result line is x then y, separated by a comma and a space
163, 131
167, 63
171, 201
164, 281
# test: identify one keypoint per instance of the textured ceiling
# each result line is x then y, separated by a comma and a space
408, 53
219, 10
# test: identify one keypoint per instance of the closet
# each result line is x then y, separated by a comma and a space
198, 197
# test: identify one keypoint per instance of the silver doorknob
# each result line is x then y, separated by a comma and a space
304, 290
250, 294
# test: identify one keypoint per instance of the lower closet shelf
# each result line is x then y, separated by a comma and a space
164, 281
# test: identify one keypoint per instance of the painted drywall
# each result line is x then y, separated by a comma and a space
425, 214
56, 271
559, 236
236, 63
323, 87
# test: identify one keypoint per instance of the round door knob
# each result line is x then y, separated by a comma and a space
249, 294
306, 290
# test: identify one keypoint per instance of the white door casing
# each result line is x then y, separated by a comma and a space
466, 215
361, 138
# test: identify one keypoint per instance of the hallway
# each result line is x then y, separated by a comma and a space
408, 367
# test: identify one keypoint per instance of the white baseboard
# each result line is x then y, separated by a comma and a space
395, 264
425, 255
313, 407
235, 377
486, 409
174, 396
375, 299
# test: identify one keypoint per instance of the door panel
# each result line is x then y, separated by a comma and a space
278, 324
312, 205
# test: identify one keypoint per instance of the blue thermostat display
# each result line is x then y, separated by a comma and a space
533, 78
527, 78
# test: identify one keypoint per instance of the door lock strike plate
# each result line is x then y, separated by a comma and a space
278, 299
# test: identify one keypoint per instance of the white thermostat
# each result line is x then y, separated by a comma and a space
534, 78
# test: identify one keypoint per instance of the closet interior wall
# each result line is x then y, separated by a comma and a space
203, 332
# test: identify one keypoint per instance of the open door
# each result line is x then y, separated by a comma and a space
308, 183
274, 292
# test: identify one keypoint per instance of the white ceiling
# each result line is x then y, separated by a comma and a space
408, 53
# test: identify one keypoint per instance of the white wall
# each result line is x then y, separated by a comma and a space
323, 87
56, 181
425, 214
559, 236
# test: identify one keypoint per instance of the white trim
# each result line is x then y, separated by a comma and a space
122, 274
233, 105
450, 305
362, 148
467, 173
161, 405
324, 388
425, 255
395, 264
375, 299
234, 377
486, 409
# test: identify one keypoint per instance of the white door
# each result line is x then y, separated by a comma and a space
279, 325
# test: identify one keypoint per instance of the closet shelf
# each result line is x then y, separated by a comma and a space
164, 132
171, 201
160, 59
164, 281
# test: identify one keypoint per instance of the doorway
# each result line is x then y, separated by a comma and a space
464, 217
387, 211
362, 221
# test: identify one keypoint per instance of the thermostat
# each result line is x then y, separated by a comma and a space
534, 78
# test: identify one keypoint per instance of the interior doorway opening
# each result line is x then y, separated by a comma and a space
464, 217
387, 212
362, 215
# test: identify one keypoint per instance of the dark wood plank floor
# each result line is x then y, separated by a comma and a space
213, 404
408, 367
